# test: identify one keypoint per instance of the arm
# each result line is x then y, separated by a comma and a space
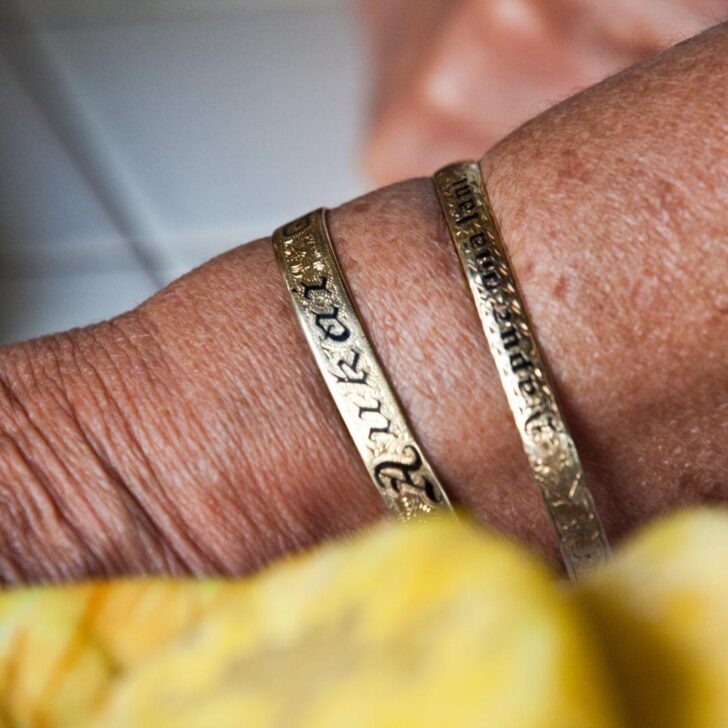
195, 434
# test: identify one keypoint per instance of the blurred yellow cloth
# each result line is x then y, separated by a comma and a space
433, 624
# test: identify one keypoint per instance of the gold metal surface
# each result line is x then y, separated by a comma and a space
549, 447
352, 372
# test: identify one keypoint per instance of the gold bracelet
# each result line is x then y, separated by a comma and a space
351, 370
546, 440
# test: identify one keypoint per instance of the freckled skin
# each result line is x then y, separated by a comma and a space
195, 434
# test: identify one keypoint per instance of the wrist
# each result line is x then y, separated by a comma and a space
196, 433
68, 512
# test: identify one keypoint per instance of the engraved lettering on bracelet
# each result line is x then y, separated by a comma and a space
351, 370
333, 328
398, 475
374, 412
546, 441
310, 288
348, 372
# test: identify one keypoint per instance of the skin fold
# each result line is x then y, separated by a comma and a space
195, 435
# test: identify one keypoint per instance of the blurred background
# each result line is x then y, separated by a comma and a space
140, 137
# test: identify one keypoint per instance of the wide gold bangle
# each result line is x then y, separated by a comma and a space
351, 370
549, 447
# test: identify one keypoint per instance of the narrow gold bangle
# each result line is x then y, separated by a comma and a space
546, 440
351, 370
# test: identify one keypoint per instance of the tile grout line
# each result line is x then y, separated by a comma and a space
41, 72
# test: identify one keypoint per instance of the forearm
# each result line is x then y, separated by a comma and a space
195, 433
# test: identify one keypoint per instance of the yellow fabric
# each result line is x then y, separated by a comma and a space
431, 624
662, 611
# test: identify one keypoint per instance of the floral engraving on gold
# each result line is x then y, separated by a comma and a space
548, 445
351, 370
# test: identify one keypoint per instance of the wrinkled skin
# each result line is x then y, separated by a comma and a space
194, 434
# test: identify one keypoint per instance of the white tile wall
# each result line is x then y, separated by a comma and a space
138, 139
